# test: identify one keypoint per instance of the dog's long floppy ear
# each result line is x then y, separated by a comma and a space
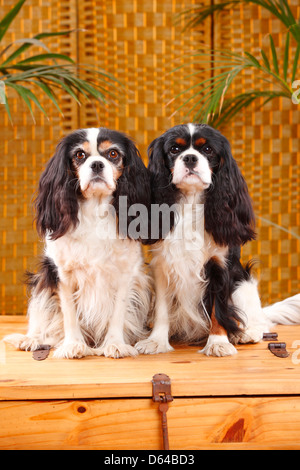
56, 203
229, 215
132, 197
163, 191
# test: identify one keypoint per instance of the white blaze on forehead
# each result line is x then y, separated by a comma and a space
92, 136
192, 128
86, 174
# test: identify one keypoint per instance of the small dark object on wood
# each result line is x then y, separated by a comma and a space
270, 336
42, 353
278, 349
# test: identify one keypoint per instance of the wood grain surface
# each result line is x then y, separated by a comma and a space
253, 371
209, 423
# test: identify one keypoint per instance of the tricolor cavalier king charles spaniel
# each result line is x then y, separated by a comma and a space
202, 290
91, 294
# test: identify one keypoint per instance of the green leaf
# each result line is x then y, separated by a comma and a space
5, 50
47, 90
62, 83
8, 110
274, 55
198, 15
81, 84
42, 57
278, 8
265, 59
7, 20
253, 60
57, 33
295, 30
295, 64
36, 40
27, 42
286, 56
20, 90
27, 95
32, 96
212, 104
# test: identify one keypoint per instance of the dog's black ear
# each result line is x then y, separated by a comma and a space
56, 203
229, 215
132, 197
163, 191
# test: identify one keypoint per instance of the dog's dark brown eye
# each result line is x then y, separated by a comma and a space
174, 150
80, 155
207, 149
113, 154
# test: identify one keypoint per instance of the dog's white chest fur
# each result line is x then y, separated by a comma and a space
96, 262
181, 258
94, 246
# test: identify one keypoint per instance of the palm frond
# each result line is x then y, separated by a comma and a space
279, 8
233, 106
265, 60
49, 92
295, 63
35, 41
28, 97
274, 55
8, 19
42, 57
215, 103
211, 99
47, 72
286, 56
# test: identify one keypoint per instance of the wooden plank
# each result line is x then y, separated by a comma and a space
253, 371
215, 423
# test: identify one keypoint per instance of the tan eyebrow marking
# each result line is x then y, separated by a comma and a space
86, 147
105, 145
180, 141
200, 141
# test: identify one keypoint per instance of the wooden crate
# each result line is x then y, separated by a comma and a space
248, 401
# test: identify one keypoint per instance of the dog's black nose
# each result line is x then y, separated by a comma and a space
97, 167
190, 160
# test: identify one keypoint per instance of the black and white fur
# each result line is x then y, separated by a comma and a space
204, 293
91, 294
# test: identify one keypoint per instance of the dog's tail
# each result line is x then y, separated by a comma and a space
286, 312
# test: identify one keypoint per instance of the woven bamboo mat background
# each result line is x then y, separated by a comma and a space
25, 148
266, 143
139, 43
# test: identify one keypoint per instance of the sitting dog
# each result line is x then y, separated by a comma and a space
91, 293
202, 290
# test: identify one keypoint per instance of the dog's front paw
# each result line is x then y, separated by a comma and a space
218, 345
153, 346
251, 334
116, 350
73, 350
23, 342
